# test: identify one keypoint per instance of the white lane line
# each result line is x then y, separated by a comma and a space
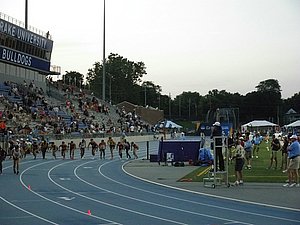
210, 195
57, 203
27, 212
105, 203
23, 210
147, 202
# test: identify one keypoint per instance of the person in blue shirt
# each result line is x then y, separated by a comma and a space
294, 162
256, 142
248, 152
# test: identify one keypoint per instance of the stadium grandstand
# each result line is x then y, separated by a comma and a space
33, 107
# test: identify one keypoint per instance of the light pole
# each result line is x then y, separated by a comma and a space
26, 14
145, 96
103, 78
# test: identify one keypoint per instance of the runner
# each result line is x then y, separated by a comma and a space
63, 147
16, 158
102, 147
134, 148
2, 158
120, 148
35, 148
82, 146
72, 149
44, 148
112, 144
127, 148
94, 147
54, 149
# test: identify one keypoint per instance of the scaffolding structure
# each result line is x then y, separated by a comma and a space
215, 177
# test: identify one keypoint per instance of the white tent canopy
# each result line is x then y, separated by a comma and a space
294, 124
258, 123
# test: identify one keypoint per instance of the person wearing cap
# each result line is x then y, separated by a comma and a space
217, 132
294, 162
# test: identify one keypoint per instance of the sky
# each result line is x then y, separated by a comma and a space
186, 45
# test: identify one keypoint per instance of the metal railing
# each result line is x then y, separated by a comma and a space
22, 24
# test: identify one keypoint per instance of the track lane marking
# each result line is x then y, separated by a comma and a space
57, 203
147, 202
105, 203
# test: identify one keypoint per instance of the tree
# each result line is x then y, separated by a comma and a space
150, 93
123, 76
271, 85
73, 78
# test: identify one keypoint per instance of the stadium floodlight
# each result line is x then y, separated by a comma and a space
26, 14
103, 78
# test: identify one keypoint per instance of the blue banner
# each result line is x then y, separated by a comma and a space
21, 59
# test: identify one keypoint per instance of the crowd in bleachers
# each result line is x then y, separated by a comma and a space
26, 109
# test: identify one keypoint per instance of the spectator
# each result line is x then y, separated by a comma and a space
248, 152
216, 135
239, 156
284, 154
294, 161
275, 147
257, 139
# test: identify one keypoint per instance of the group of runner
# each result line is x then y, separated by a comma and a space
18, 149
